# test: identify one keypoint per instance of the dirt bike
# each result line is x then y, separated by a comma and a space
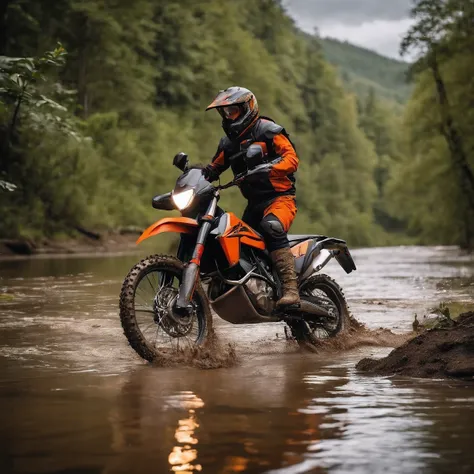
223, 264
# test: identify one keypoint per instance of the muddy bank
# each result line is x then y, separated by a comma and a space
120, 241
437, 353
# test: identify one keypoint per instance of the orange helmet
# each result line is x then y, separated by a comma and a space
238, 108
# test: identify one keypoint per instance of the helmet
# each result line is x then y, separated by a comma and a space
238, 108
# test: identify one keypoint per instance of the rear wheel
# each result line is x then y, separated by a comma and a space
146, 300
325, 292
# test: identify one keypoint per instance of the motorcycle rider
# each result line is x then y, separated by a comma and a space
271, 206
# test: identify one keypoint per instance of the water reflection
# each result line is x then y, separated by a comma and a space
183, 455
380, 424
293, 415
368, 416
75, 398
243, 420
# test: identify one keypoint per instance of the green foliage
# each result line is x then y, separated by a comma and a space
29, 113
433, 187
363, 70
21, 91
382, 129
111, 44
141, 74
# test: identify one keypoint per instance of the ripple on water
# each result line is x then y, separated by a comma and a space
377, 424
280, 409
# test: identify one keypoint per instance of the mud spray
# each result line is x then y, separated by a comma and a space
212, 355
216, 354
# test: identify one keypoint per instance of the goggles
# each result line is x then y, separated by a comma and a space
231, 112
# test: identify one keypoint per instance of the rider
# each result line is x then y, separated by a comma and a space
270, 193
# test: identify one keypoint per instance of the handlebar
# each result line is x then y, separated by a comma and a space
234, 182
241, 176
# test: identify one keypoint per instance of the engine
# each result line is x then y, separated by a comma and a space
261, 295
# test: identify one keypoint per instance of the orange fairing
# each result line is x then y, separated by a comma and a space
181, 225
238, 232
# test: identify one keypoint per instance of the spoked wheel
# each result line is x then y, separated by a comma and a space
325, 292
146, 300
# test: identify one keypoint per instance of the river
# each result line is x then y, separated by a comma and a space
76, 399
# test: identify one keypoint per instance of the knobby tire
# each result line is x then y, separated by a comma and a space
301, 330
127, 303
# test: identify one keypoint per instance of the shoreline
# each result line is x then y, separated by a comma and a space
109, 243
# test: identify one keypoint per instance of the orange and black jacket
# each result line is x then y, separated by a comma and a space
258, 188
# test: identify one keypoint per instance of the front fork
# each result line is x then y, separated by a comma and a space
183, 304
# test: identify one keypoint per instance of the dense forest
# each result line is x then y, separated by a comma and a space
363, 70
98, 95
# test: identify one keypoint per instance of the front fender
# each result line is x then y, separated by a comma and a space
181, 225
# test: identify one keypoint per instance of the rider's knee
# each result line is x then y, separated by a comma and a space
273, 232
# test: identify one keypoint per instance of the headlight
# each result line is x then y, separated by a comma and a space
184, 199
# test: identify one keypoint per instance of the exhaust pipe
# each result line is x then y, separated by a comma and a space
312, 309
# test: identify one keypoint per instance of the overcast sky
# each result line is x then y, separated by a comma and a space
374, 24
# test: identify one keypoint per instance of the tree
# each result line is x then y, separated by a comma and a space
112, 56
21, 95
444, 28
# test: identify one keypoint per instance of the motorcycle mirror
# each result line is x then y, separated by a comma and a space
254, 155
181, 161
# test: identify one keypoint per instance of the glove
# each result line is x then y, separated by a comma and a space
210, 173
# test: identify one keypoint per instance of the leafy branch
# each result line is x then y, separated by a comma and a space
23, 97
20, 80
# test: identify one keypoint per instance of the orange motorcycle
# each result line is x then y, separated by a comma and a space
222, 264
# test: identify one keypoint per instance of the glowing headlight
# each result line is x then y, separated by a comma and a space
184, 199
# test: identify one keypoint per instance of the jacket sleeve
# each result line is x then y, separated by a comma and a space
289, 161
220, 161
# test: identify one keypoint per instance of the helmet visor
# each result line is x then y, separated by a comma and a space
231, 112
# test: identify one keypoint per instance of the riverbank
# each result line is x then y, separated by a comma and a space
446, 352
122, 241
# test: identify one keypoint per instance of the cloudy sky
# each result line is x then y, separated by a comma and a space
374, 24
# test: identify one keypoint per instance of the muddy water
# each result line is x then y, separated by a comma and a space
75, 399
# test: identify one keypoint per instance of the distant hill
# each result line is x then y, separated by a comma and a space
362, 69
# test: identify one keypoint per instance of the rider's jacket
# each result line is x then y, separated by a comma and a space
259, 187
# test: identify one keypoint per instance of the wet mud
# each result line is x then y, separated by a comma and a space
437, 353
362, 336
218, 354
214, 354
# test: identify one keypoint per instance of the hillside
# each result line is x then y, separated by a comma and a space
363, 69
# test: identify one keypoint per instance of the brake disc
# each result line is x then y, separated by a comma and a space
163, 307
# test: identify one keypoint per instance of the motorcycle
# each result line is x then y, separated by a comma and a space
222, 264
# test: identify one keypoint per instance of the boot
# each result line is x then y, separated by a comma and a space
285, 266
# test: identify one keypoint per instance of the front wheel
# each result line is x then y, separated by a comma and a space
146, 301
325, 292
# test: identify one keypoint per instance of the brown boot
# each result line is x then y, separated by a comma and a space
285, 266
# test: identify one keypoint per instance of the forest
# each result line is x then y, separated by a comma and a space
363, 70
97, 96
